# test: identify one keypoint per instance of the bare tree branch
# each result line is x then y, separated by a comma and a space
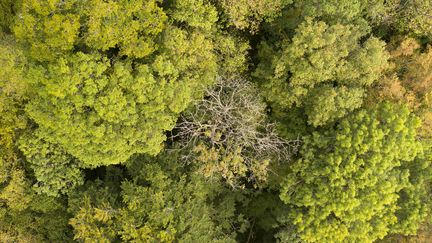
230, 117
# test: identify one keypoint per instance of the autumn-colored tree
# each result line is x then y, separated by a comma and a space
408, 80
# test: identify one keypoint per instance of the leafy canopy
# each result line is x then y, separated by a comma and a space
323, 68
349, 183
102, 107
160, 203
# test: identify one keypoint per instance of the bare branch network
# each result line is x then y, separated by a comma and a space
232, 116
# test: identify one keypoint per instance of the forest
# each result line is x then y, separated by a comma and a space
216, 121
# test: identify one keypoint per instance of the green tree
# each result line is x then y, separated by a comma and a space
24, 215
160, 203
84, 100
346, 11
195, 13
8, 9
413, 17
55, 170
359, 181
102, 112
323, 68
232, 54
49, 29
29, 217
132, 26
102, 107
13, 93
246, 14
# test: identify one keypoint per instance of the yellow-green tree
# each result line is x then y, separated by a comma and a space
103, 92
8, 10
413, 16
248, 14
49, 29
359, 181
162, 202
323, 68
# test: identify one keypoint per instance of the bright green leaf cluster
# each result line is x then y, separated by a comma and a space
52, 28
347, 184
325, 64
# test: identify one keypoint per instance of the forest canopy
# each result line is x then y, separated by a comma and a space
215, 121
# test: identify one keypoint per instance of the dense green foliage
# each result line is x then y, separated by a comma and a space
358, 170
156, 205
215, 121
323, 68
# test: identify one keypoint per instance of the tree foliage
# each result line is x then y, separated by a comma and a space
350, 183
55, 170
347, 11
413, 16
84, 100
248, 14
103, 109
408, 80
215, 121
323, 68
52, 28
13, 92
8, 10
28, 217
157, 204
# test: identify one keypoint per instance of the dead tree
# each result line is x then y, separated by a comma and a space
232, 118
